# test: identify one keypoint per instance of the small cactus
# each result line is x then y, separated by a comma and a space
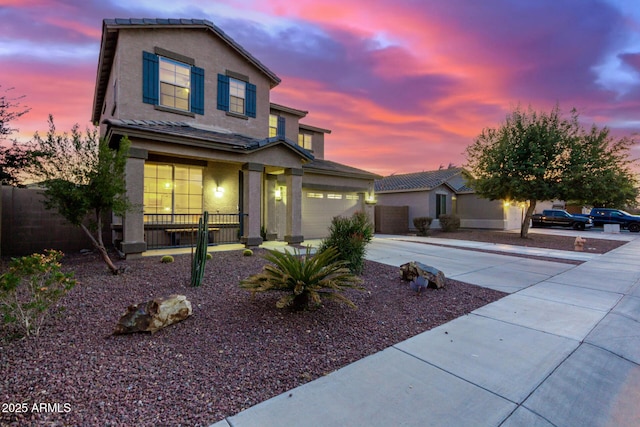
166, 259
209, 256
247, 252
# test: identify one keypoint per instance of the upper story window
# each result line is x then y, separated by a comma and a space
171, 81
236, 96
276, 126
273, 125
175, 84
237, 90
304, 140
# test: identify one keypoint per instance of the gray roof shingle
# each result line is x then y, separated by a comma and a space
419, 181
334, 168
218, 137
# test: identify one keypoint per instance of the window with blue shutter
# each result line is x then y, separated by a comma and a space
149, 78
251, 100
197, 90
281, 125
171, 83
231, 100
223, 92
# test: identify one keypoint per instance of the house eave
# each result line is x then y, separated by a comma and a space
367, 176
284, 109
200, 142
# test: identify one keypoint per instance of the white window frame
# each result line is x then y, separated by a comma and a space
237, 96
174, 80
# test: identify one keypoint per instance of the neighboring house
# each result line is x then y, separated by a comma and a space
444, 191
205, 136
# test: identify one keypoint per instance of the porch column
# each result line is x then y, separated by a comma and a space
271, 206
251, 196
133, 243
294, 206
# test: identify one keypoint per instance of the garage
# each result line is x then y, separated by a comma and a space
319, 207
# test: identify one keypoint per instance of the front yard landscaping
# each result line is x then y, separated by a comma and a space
233, 352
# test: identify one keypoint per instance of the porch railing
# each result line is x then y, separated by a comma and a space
179, 230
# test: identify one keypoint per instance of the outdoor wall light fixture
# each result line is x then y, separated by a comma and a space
507, 204
370, 199
219, 191
279, 193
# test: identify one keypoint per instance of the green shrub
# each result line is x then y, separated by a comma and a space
449, 222
306, 279
247, 252
30, 287
350, 236
166, 259
422, 224
209, 256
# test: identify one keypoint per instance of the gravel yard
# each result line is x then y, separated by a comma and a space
234, 352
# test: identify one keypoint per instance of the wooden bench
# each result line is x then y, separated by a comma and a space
175, 234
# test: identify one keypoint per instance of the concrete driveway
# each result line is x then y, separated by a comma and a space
501, 272
562, 350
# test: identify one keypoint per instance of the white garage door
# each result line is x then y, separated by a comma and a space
319, 208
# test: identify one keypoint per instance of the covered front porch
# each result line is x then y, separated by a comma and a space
243, 187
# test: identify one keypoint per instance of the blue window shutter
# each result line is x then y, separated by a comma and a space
251, 100
150, 78
280, 132
223, 92
197, 90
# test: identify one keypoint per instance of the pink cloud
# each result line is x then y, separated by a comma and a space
403, 85
66, 93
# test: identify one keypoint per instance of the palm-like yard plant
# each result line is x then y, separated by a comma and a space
307, 278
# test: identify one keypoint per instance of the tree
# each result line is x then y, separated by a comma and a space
84, 179
600, 171
543, 156
15, 158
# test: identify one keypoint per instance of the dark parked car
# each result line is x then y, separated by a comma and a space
602, 216
560, 218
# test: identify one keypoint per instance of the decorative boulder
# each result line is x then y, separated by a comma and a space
433, 277
154, 315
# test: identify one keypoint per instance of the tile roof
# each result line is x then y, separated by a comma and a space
419, 181
334, 168
213, 136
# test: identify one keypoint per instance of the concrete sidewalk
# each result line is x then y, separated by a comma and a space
562, 350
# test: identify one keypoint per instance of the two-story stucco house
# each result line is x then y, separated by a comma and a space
205, 136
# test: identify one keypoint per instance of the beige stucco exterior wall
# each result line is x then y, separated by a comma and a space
215, 59
475, 212
418, 202
225, 176
317, 145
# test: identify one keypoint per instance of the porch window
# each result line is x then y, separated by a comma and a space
441, 205
172, 189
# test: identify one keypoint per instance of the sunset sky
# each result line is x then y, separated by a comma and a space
404, 85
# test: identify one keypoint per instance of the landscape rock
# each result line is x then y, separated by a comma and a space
411, 270
154, 315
